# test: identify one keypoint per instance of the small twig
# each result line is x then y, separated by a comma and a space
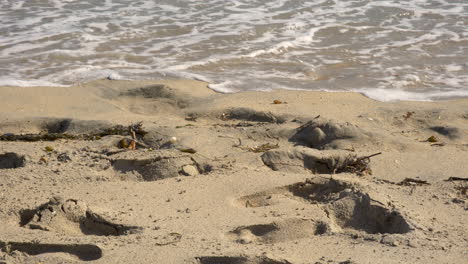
176, 238
412, 182
238, 145
368, 157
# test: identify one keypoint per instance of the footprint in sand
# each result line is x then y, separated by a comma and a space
71, 217
84, 252
347, 207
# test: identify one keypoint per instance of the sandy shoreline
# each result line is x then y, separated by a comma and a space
268, 183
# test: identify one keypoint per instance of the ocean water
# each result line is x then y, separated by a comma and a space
385, 49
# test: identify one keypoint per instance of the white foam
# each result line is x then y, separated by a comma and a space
388, 95
27, 83
240, 45
453, 68
223, 87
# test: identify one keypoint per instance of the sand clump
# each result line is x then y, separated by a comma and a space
321, 133
158, 164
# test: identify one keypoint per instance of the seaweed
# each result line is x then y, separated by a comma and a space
121, 130
359, 166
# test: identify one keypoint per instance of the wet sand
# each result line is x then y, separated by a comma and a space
253, 177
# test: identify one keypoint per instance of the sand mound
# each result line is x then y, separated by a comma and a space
321, 133
300, 159
158, 164
71, 217
247, 114
11, 160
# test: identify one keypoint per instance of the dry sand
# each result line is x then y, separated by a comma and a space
307, 199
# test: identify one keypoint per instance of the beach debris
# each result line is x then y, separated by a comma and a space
188, 150
123, 143
351, 149
408, 115
357, 165
257, 149
432, 139
190, 170
187, 125
49, 149
456, 179
63, 157
263, 147
279, 102
120, 130
191, 117
318, 162
171, 238
463, 189
132, 145
412, 182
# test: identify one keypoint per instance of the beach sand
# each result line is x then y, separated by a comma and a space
229, 178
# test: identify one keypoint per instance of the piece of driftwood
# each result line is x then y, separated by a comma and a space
408, 115
188, 150
412, 182
456, 179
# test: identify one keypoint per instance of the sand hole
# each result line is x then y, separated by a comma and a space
85, 252
71, 217
239, 260
11, 160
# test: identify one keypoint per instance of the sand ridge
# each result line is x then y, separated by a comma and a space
229, 178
